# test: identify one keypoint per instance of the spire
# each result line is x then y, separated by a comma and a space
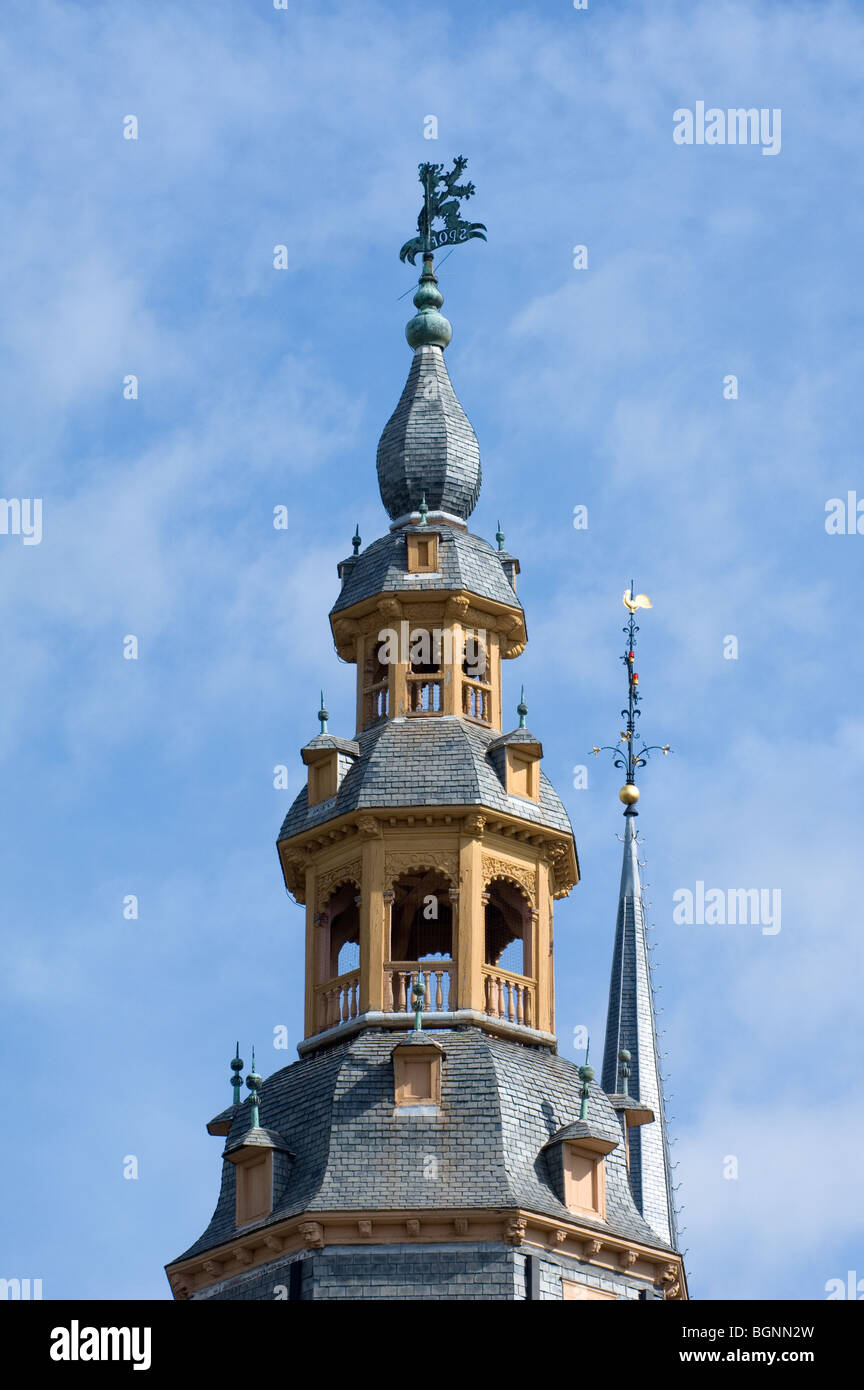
236, 1068
522, 709
428, 448
631, 1063
323, 715
254, 1082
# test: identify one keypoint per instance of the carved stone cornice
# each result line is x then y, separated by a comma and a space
369, 828
405, 861
517, 1226
294, 869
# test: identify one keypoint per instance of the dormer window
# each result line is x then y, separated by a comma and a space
523, 772
577, 1162
254, 1197
323, 777
422, 553
584, 1181
417, 1075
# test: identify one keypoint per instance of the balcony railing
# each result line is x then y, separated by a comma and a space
337, 1000
437, 977
509, 997
377, 698
477, 700
425, 694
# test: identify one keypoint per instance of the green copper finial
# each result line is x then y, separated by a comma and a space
625, 754
624, 1069
323, 715
237, 1067
424, 510
441, 196
254, 1082
586, 1076
499, 536
428, 328
417, 1000
355, 539
522, 709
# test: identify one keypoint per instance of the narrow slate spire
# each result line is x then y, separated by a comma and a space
631, 1062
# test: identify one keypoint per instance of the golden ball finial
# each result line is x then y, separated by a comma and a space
629, 794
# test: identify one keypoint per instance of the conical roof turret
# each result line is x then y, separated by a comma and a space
428, 447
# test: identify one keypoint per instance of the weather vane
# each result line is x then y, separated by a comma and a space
624, 754
441, 195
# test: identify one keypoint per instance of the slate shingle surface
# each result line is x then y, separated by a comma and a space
438, 760
501, 1102
428, 447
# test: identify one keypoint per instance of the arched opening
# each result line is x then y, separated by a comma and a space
376, 685
421, 939
340, 933
476, 687
425, 672
339, 956
508, 936
509, 965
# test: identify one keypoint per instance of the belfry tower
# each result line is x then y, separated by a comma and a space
429, 1143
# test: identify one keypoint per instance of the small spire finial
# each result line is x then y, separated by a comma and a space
624, 753
499, 536
522, 709
323, 715
586, 1076
254, 1082
417, 999
624, 1069
424, 510
236, 1068
355, 539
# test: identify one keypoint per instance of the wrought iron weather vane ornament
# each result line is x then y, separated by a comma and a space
441, 196
624, 753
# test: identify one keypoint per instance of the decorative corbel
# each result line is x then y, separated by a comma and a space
312, 1233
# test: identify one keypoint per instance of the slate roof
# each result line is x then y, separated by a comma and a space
343, 745
439, 760
465, 561
500, 1104
428, 447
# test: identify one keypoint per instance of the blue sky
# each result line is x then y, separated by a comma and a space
257, 387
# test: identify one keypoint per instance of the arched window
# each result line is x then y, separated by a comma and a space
340, 933
476, 678
376, 686
421, 923
508, 936
421, 940
425, 673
